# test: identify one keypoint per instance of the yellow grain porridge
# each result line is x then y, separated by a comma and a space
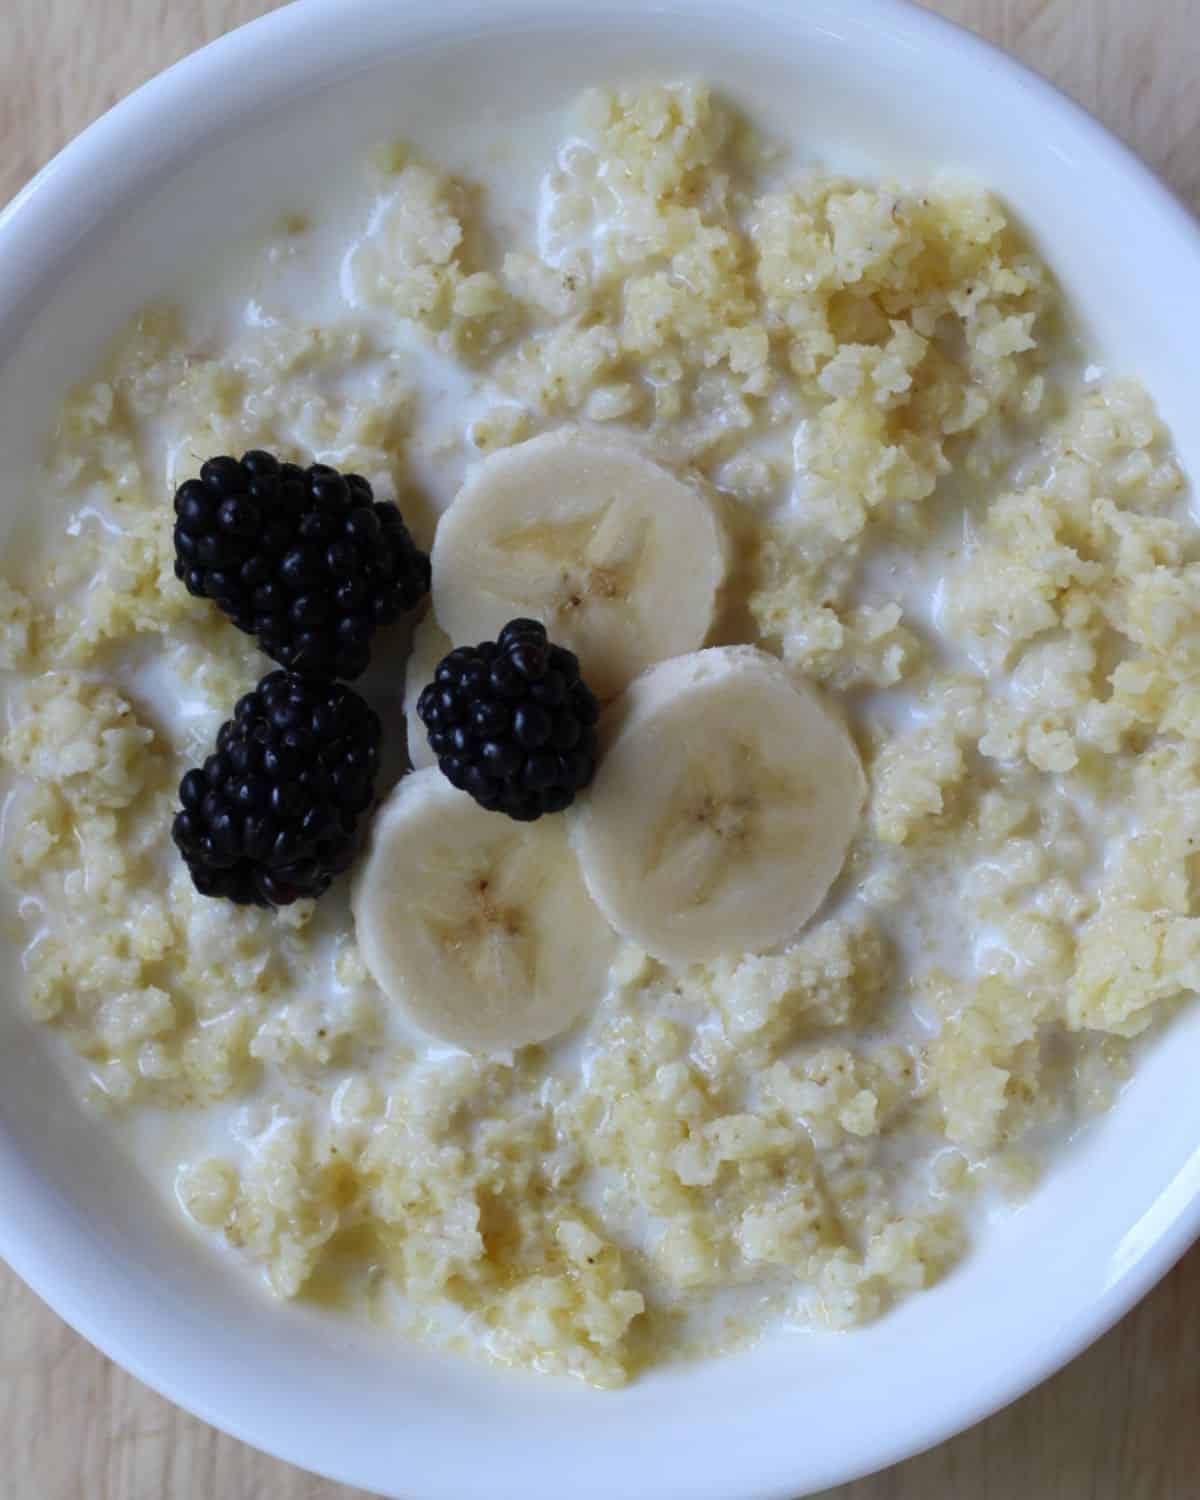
879, 861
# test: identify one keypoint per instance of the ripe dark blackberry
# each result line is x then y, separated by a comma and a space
271, 814
512, 722
306, 560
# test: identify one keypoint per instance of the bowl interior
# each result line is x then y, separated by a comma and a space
258, 124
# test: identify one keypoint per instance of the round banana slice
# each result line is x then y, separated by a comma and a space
619, 560
479, 929
724, 802
430, 643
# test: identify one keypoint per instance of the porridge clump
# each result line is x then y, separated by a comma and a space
935, 512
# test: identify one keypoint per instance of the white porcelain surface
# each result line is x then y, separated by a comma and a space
230, 136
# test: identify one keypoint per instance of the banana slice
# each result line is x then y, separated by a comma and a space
478, 928
430, 643
620, 561
723, 806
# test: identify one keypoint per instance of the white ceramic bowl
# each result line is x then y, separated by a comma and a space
227, 138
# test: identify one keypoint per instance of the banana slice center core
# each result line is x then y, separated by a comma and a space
486, 925
730, 821
582, 587
728, 804
605, 548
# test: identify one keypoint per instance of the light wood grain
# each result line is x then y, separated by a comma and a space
1123, 1421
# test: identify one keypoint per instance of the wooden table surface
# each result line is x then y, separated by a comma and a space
1123, 1421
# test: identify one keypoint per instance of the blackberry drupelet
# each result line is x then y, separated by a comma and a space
512, 722
306, 560
271, 815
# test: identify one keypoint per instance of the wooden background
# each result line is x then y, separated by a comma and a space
1122, 1422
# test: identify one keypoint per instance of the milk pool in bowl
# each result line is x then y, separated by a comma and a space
915, 569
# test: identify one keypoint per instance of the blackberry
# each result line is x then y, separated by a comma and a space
306, 560
270, 816
512, 722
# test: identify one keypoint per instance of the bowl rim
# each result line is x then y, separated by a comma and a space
128, 146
